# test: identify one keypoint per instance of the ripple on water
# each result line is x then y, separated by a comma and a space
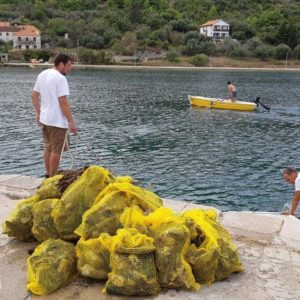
140, 123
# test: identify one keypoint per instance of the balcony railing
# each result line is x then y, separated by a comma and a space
22, 42
221, 29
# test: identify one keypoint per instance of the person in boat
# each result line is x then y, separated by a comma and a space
53, 114
232, 91
291, 176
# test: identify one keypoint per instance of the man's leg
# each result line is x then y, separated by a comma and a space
54, 163
47, 155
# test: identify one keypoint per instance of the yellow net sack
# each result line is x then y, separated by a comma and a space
77, 198
51, 266
49, 188
104, 215
172, 240
133, 265
43, 226
211, 254
19, 221
93, 257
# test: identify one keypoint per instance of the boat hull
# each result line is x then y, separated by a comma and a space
221, 103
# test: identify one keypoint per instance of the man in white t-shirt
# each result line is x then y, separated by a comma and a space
291, 176
53, 114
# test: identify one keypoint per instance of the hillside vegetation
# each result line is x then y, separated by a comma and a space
259, 28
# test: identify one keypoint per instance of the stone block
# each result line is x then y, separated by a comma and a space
262, 228
22, 182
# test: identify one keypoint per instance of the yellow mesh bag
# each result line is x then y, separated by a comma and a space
133, 265
77, 198
104, 215
93, 257
172, 236
43, 226
172, 239
133, 217
229, 261
51, 266
212, 254
49, 188
19, 221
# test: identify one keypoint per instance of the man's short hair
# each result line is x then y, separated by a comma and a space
64, 58
289, 171
228, 82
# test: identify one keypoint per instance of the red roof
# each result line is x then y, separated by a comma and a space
27, 30
210, 23
8, 28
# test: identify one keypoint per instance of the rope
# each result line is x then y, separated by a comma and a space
73, 156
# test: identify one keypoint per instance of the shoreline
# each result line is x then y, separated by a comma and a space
154, 67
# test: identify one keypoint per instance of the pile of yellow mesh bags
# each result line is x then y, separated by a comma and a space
108, 228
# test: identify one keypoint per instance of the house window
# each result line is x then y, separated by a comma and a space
34, 39
34, 46
217, 27
224, 27
7, 34
27, 39
19, 46
27, 46
19, 38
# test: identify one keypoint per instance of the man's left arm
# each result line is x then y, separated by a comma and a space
35, 96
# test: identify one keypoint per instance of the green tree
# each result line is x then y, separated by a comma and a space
212, 13
200, 60
282, 51
129, 43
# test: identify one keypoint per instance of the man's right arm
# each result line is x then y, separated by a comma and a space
64, 106
295, 202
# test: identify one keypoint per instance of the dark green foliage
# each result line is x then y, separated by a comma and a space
257, 27
199, 60
282, 51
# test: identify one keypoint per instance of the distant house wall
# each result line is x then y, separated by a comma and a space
7, 33
27, 42
22, 36
216, 29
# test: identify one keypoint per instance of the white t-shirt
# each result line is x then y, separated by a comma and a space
297, 183
51, 84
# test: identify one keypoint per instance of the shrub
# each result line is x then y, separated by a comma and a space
240, 52
282, 51
200, 60
296, 52
172, 56
263, 52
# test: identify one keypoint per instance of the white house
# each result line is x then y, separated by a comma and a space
215, 29
22, 36
28, 37
7, 32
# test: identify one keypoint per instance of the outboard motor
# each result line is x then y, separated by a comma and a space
258, 103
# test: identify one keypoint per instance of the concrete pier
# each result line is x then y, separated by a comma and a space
269, 246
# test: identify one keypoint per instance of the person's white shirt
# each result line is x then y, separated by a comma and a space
51, 85
297, 182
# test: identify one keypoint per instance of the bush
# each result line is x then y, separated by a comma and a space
296, 52
200, 60
254, 43
172, 56
226, 46
240, 52
263, 52
282, 51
